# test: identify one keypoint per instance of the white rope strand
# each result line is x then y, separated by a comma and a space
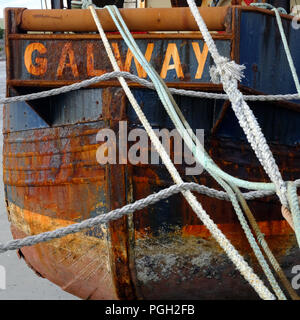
287, 50
148, 84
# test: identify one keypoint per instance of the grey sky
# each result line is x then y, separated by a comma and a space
32, 4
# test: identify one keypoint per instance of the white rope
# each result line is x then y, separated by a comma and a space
287, 50
235, 257
283, 38
118, 213
145, 83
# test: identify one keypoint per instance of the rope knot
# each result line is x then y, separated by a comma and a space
226, 68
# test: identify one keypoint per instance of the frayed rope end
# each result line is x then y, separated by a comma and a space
226, 68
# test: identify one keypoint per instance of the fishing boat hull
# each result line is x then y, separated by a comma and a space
150, 253
53, 179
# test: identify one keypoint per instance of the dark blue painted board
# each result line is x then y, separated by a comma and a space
262, 52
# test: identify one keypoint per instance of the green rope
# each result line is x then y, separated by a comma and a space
294, 208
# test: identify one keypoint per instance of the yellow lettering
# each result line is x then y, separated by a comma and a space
172, 52
67, 51
129, 56
201, 58
39, 67
90, 62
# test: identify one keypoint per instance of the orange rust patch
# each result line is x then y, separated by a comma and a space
268, 228
78, 263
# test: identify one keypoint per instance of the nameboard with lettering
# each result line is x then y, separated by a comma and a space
176, 60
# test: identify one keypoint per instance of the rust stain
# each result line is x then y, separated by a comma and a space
67, 51
116, 190
150, 19
268, 228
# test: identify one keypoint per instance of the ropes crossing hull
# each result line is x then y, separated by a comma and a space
53, 179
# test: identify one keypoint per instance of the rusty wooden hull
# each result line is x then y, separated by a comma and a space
152, 253
52, 178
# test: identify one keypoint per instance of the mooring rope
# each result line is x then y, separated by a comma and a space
253, 244
110, 216
129, 208
127, 75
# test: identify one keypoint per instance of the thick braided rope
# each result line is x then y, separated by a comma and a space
230, 73
235, 257
255, 137
103, 218
143, 82
130, 208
